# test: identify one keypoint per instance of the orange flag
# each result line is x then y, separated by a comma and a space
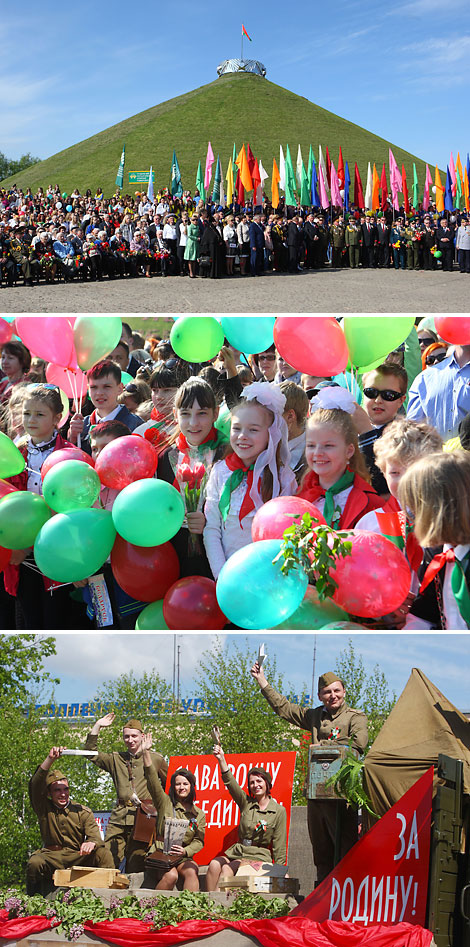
439, 191
458, 165
275, 185
244, 169
375, 190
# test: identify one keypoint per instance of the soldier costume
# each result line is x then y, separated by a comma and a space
260, 832
63, 831
194, 839
353, 239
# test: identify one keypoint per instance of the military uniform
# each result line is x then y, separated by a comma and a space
127, 773
353, 239
63, 830
194, 838
413, 239
344, 726
337, 242
262, 834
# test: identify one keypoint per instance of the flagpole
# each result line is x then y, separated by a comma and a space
242, 44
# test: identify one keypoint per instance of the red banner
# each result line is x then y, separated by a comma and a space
222, 814
384, 878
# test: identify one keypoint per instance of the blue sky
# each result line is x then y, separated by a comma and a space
84, 661
399, 68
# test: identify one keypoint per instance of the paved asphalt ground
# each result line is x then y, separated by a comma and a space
325, 290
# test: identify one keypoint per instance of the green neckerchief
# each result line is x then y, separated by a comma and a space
231, 484
342, 484
460, 588
220, 440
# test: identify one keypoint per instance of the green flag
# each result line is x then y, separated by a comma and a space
200, 182
415, 187
176, 186
290, 181
304, 187
458, 192
120, 174
217, 180
310, 172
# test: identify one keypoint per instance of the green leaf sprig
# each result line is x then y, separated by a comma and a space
314, 547
348, 783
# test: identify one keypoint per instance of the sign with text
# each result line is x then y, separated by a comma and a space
140, 177
384, 877
222, 814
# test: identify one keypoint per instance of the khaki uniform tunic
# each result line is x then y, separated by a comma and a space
194, 839
260, 832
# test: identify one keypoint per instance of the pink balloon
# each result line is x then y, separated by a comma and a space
67, 453
315, 345
73, 383
126, 460
49, 337
6, 331
374, 580
453, 329
276, 515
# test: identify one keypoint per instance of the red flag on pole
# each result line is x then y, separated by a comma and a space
358, 192
250, 158
383, 185
328, 166
240, 190
406, 199
340, 168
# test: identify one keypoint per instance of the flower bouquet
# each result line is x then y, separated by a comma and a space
190, 480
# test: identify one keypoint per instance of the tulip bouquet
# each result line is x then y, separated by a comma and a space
190, 477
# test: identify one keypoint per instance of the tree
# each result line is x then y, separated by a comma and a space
369, 693
9, 166
22, 674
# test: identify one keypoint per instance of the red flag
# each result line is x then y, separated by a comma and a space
383, 185
358, 192
406, 199
251, 158
340, 169
384, 877
240, 190
328, 166
256, 177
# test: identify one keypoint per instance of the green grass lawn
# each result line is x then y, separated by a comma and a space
159, 326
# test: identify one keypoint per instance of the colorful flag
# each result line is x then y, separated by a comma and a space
229, 180
282, 169
375, 189
347, 182
452, 174
340, 168
439, 191
390, 527
466, 189
395, 179
383, 185
448, 199
290, 181
368, 194
276, 177
217, 180
263, 177
176, 186
336, 198
240, 190
209, 163
304, 188
458, 192
328, 166
406, 199
415, 187
358, 192
427, 185
244, 170
321, 164
324, 199
200, 182
298, 167
150, 185
250, 158
244, 33
222, 200
458, 165
315, 197
256, 178
120, 172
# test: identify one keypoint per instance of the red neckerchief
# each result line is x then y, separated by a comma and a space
435, 566
234, 462
183, 445
157, 415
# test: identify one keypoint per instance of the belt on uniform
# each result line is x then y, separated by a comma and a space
54, 848
127, 802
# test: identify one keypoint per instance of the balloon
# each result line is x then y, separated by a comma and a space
49, 337
252, 591
126, 460
67, 453
249, 334
373, 337
71, 485
69, 208
151, 618
374, 580
343, 626
95, 337
12, 461
6, 331
312, 614
196, 338
145, 572
274, 517
148, 512
73, 546
126, 379
453, 329
73, 383
437, 254
192, 603
6, 488
65, 406
311, 344
224, 421
22, 515
347, 380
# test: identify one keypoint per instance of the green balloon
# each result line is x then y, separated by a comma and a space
126, 379
151, 618
437, 254
12, 461
22, 515
312, 614
197, 338
73, 546
71, 485
148, 512
95, 337
224, 421
371, 338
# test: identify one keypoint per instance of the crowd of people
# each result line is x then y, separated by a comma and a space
51, 236
256, 428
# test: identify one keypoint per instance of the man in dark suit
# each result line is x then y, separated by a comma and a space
311, 237
256, 246
383, 238
294, 240
445, 243
369, 239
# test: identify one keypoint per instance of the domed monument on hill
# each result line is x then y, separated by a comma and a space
241, 65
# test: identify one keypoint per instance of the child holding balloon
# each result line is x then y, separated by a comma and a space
337, 482
256, 470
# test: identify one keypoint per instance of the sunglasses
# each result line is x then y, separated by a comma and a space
311, 392
433, 359
426, 342
267, 358
387, 395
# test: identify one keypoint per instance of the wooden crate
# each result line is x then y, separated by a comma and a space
269, 879
80, 876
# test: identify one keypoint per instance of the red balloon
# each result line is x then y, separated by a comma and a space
276, 515
6, 488
453, 329
66, 453
192, 604
315, 345
374, 580
6, 331
145, 572
5, 556
126, 460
